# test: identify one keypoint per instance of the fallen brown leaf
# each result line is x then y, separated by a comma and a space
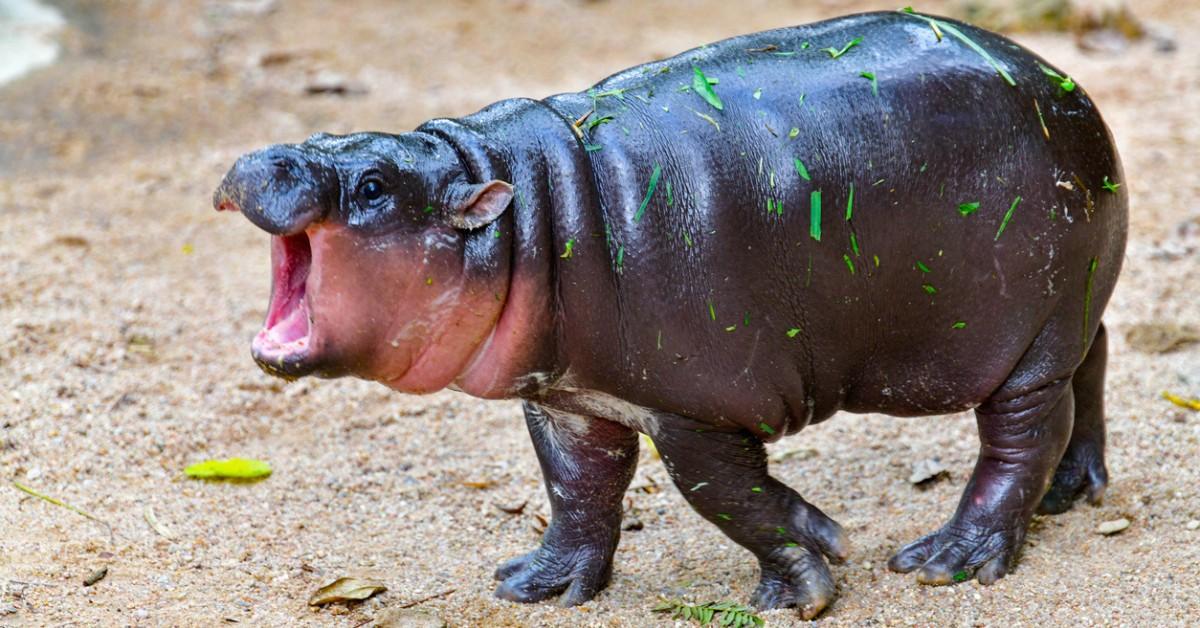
344, 590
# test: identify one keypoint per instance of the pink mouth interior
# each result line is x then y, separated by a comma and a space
287, 328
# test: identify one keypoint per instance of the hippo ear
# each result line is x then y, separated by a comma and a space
482, 203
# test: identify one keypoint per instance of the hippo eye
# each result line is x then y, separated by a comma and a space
370, 190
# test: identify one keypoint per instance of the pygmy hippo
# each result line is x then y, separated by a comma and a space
883, 213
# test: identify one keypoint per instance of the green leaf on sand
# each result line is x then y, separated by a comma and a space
231, 468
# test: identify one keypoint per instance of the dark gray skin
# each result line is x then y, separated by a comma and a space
714, 319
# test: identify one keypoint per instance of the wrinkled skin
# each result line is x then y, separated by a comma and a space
510, 254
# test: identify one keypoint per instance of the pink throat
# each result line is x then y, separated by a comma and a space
288, 327
508, 352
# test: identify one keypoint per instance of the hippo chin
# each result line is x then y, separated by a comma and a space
884, 213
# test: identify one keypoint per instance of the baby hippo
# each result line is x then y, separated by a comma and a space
884, 213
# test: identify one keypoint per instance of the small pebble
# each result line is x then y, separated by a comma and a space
1112, 527
1194, 524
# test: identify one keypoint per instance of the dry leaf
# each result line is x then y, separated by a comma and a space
95, 577
1109, 528
649, 443
148, 513
1190, 404
513, 510
929, 470
345, 589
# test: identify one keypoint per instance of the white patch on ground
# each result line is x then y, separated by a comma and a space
27, 29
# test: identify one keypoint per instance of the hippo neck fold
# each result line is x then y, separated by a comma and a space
527, 144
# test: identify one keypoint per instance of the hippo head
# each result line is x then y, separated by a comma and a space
369, 236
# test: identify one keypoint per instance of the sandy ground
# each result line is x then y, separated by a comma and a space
126, 307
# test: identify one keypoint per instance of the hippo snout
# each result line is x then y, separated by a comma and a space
280, 189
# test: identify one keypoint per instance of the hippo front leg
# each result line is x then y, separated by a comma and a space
724, 477
1022, 438
587, 464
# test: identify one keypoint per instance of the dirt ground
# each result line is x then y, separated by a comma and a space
127, 305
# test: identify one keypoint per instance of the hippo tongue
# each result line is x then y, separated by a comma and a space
288, 319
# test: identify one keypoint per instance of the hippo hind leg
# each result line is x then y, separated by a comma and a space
723, 476
1082, 470
587, 464
1024, 428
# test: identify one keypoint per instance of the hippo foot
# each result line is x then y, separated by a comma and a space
794, 577
546, 572
1081, 473
959, 552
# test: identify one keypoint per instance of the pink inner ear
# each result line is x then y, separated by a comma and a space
486, 203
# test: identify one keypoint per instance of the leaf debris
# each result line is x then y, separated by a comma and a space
834, 53
950, 28
229, 468
345, 590
724, 613
850, 206
801, 169
870, 76
702, 86
654, 177
1087, 301
159, 528
814, 228
709, 119
1182, 402
1065, 83
96, 576
59, 502
1041, 118
1007, 217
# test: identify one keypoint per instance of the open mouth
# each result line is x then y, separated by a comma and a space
286, 334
